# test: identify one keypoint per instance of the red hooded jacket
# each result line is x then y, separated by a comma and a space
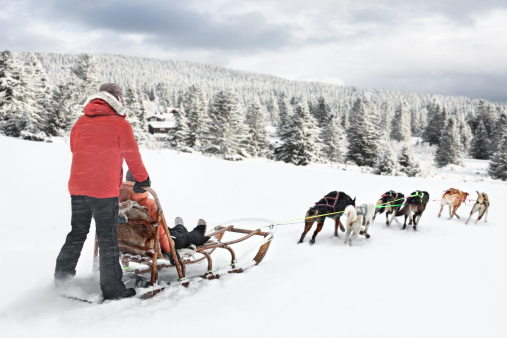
99, 142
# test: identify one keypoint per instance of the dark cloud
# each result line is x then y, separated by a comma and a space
172, 25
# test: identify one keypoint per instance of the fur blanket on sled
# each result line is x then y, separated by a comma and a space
142, 234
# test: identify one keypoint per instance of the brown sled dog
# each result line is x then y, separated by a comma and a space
333, 204
481, 206
453, 198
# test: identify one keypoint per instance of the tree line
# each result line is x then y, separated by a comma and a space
253, 115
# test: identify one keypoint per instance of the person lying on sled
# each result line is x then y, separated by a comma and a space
180, 236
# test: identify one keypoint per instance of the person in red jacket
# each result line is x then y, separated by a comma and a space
181, 237
100, 140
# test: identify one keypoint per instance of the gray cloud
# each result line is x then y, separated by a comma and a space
435, 46
172, 25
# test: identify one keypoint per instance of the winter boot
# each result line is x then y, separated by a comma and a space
197, 236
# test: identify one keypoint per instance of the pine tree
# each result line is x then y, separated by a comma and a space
322, 111
195, 104
85, 71
498, 133
58, 120
38, 87
450, 149
408, 164
332, 139
480, 143
274, 111
136, 115
400, 130
498, 164
386, 118
284, 113
388, 163
227, 131
17, 98
300, 143
363, 136
437, 121
258, 136
465, 133
179, 137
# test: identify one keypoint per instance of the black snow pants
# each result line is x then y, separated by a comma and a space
181, 237
105, 213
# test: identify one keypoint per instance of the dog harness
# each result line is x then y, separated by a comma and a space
328, 199
362, 210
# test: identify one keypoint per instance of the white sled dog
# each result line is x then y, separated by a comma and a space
481, 206
356, 218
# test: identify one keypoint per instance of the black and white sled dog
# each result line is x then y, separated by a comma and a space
391, 203
481, 206
358, 217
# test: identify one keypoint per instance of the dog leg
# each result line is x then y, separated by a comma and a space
471, 213
486, 216
441, 208
320, 224
366, 234
308, 226
347, 234
341, 225
450, 211
405, 223
355, 233
336, 224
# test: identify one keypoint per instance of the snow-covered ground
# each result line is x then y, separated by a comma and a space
445, 280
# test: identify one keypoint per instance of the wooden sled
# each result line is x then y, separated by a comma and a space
148, 253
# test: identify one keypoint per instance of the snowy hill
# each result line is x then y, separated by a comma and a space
446, 279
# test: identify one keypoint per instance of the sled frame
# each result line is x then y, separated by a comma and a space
152, 254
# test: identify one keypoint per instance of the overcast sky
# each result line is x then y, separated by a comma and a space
433, 46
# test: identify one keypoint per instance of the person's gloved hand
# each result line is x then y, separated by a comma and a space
138, 185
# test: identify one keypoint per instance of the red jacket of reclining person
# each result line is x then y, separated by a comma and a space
127, 193
99, 142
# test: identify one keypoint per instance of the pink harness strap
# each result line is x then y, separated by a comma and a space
331, 198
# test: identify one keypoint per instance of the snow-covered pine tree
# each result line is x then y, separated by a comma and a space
480, 143
486, 113
58, 120
86, 83
363, 136
227, 131
465, 133
38, 86
386, 118
17, 114
498, 164
332, 135
345, 119
86, 70
498, 133
179, 137
450, 149
400, 130
285, 111
437, 121
322, 111
136, 114
388, 163
408, 164
195, 104
274, 111
301, 144
258, 136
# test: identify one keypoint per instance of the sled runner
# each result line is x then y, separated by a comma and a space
138, 241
